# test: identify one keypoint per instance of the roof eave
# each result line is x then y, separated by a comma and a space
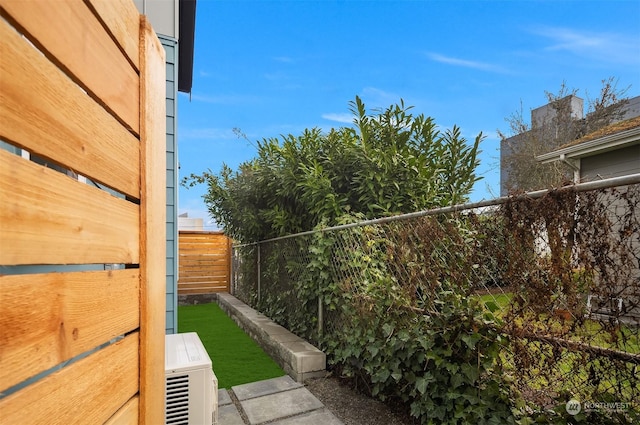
186, 38
592, 147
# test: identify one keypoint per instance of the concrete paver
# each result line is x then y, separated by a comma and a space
229, 415
280, 405
317, 417
278, 401
223, 397
262, 388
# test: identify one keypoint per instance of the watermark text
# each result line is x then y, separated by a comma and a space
574, 407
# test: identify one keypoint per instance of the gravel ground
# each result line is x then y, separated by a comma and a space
353, 407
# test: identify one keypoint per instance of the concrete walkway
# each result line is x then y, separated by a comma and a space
278, 401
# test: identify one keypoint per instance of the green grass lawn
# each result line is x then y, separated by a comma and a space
497, 303
236, 358
554, 371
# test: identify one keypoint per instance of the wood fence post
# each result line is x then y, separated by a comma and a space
152, 226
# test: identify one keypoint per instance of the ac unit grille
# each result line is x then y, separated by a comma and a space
191, 387
177, 407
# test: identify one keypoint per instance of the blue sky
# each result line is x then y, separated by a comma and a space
278, 67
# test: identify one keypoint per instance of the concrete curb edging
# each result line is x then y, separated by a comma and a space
294, 355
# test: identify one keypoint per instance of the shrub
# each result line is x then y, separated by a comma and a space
391, 162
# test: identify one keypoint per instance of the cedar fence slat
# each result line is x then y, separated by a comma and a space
89, 391
123, 21
201, 246
64, 315
85, 50
204, 282
214, 268
127, 415
201, 279
44, 112
53, 219
213, 262
203, 290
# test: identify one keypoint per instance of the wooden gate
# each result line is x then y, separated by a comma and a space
204, 264
82, 214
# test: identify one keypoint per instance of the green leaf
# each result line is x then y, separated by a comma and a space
403, 336
456, 380
421, 385
373, 349
381, 376
471, 372
471, 339
387, 330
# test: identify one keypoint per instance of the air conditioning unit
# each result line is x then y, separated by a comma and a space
191, 388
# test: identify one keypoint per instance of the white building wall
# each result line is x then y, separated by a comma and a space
163, 15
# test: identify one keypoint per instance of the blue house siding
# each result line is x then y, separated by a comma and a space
171, 51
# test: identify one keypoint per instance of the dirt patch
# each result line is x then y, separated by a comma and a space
354, 408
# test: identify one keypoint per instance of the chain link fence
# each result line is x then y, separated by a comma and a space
558, 274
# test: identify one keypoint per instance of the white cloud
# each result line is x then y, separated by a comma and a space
482, 66
604, 46
375, 98
341, 117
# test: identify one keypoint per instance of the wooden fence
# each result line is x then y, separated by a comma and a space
204, 266
82, 91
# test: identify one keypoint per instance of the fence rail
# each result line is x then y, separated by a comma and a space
558, 271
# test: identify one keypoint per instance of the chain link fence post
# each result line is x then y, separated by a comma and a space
258, 269
320, 314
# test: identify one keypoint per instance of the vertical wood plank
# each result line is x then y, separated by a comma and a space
152, 226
